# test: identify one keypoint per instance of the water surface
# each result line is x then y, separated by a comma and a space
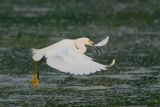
133, 27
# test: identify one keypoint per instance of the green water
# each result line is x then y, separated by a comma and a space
133, 27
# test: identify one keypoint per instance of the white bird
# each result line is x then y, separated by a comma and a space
68, 55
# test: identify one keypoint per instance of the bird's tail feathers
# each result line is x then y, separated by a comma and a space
37, 54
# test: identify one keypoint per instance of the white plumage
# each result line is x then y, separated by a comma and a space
68, 56
103, 42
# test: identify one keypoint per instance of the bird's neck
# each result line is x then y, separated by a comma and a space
81, 47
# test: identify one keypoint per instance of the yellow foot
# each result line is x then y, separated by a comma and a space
35, 81
35, 78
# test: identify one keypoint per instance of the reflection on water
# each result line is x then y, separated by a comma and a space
134, 43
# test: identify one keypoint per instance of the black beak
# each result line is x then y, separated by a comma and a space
98, 50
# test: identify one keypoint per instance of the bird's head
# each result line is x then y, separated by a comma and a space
86, 41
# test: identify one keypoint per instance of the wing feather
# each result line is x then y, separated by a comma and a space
103, 42
71, 60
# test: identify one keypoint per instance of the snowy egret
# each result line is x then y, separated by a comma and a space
68, 56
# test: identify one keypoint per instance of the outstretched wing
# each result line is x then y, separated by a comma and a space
69, 59
103, 42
